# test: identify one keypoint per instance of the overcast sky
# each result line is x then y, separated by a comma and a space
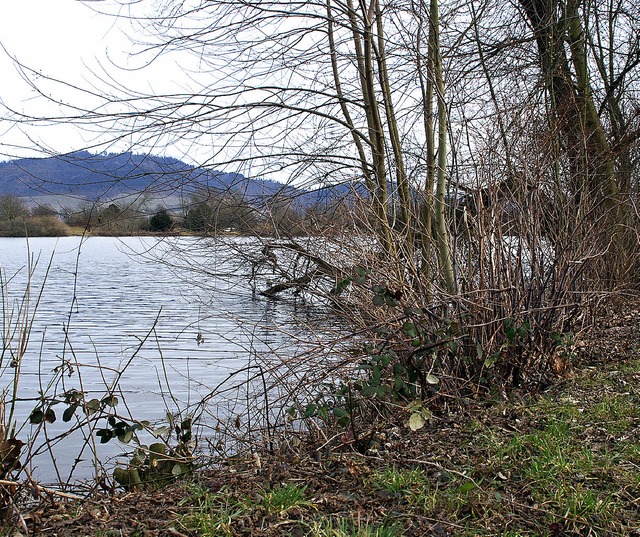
66, 40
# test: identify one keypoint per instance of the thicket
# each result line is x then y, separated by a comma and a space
476, 246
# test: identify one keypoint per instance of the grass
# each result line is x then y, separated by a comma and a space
418, 490
399, 481
214, 513
343, 527
562, 464
282, 499
572, 460
574, 463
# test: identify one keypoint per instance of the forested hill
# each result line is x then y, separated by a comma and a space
93, 177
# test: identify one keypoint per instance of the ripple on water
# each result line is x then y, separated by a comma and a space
99, 304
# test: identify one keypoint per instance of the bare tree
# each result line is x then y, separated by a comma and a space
12, 207
491, 145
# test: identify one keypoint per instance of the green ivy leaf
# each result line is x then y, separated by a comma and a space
341, 285
398, 384
410, 329
69, 412
432, 379
391, 302
510, 332
160, 431
378, 300
50, 415
36, 417
368, 390
105, 435
157, 449
126, 437
376, 374
93, 406
339, 412
110, 400
178, 469
310, 410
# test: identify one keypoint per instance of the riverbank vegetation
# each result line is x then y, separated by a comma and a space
563, 461
490, 224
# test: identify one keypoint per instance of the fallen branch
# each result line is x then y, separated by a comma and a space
298, 283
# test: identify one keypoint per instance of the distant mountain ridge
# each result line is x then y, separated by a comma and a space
92, 177
75, 178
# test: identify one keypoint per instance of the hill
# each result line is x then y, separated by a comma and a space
107, 176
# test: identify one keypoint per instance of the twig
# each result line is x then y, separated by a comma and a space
448, 470
41, 489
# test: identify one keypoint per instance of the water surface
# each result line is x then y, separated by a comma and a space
108, 304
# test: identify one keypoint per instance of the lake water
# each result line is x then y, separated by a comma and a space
103, 297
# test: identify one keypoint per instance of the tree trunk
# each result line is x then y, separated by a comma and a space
442, 230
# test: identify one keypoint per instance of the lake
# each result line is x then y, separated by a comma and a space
184, 316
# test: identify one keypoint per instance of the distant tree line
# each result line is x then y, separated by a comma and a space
17, 220
204, 213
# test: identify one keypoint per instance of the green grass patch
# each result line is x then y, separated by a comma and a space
630, 366
566, 462
405, 482
615, 412
216, 513
446, 492
279, 500
344, 527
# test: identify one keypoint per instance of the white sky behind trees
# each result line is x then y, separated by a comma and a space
251, 88
72, 42
81, 56
69, 41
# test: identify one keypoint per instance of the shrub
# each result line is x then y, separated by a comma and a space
161, 221
38, 226
46, 226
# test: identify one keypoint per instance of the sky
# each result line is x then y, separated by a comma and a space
75, 42
66, 40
